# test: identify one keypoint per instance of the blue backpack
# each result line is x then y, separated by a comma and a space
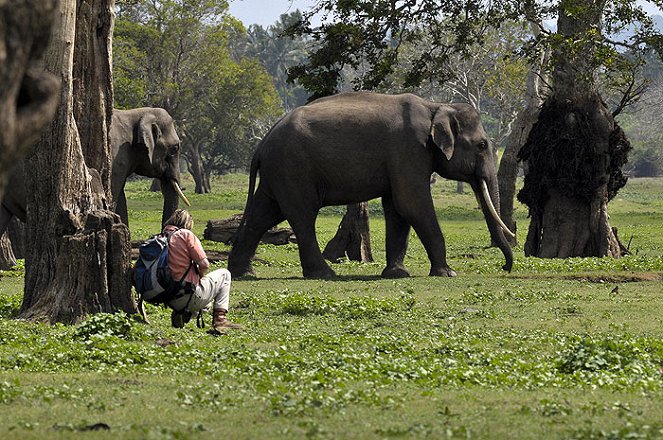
152, 277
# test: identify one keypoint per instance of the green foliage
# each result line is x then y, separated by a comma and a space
609, 354
277, 52
9, 306
307, 303
105, 325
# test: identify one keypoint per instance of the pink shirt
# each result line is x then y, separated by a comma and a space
183, 248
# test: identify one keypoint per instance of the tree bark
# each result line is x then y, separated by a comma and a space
574, 154
78, 253
353, 237
92, 71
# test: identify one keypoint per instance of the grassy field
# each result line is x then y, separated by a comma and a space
567, 349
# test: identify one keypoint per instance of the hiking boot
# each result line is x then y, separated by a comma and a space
220, 322
179, 318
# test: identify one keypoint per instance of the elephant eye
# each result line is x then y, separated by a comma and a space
483, 145
174, 150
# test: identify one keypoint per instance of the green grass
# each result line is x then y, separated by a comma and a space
551, 350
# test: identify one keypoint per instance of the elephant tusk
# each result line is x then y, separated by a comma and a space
180, 193
491, 208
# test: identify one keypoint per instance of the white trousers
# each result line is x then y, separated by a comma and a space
213, 287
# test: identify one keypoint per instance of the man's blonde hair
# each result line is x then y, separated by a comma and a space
181, 218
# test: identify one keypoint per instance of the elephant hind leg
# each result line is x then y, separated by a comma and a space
263, 214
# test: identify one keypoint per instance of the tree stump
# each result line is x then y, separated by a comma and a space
353, 237
7, 258
98, 257
224, 231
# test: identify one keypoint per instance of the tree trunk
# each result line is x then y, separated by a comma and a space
7, 259
460, 187
12, 244
507, 173
574, 156
207, 182
78, 253
353, 237
197, 169
92, 72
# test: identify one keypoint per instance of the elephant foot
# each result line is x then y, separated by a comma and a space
442, 272
322, 273
395, 272
240, 272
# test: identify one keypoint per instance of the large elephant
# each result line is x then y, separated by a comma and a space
353, 147
143, 141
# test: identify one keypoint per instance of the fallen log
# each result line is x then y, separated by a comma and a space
224, 230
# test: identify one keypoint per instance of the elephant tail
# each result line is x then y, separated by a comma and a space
253, 173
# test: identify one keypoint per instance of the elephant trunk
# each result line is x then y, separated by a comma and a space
170, 199
488, 196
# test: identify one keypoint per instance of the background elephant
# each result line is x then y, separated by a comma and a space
354, 147
144, 141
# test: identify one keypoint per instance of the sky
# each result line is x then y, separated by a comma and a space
267, 12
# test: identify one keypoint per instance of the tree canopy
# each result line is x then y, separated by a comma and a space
368, 36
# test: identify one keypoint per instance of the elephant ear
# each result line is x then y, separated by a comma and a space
443, 130
148, 132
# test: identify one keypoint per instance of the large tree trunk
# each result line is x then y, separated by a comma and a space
507, 173
574, 154
78, 253
353, 237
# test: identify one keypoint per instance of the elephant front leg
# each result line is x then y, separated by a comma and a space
121, 207
398, 232
430, 234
